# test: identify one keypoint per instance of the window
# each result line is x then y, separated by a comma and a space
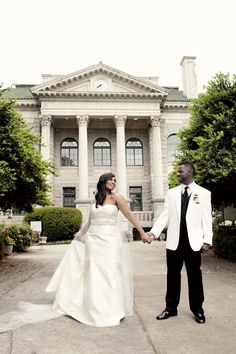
69, 152
134, 152
135, 194
102, 152
172, 141
69, 197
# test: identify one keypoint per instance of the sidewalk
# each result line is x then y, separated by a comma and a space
25, 276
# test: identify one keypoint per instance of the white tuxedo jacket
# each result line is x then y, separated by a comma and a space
198, 218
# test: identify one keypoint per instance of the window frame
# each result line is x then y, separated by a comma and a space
171, 157
141, 198
70, 148
102, 148
129, 148
68, 196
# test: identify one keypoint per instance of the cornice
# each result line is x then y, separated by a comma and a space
27, 104
175, 106
100, 95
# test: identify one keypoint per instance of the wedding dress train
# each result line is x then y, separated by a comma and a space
93, 282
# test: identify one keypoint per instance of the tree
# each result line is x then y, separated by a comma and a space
210, 139
22, 171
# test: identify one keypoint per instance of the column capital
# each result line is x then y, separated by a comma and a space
155, 120
120, 120
45, 120
82, 120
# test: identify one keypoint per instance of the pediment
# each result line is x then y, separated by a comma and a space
96, 79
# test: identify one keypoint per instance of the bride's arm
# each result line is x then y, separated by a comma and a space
124, 208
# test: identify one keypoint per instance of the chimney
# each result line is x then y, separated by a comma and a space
189, 76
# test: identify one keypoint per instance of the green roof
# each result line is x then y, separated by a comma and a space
174, 94
19, 92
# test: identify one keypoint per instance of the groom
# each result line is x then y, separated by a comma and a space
187, 216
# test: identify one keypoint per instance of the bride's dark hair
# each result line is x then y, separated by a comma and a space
100, 195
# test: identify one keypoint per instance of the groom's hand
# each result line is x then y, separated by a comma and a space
151, 236
205, 248
146, 238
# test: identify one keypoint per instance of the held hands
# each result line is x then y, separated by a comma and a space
147, 237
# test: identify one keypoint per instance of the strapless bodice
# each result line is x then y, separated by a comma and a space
104, 215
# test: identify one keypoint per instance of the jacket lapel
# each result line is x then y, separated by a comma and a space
178, 200
194, 190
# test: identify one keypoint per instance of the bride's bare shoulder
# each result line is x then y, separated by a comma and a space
117, 197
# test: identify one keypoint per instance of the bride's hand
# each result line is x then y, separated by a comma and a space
146, 238
151, 236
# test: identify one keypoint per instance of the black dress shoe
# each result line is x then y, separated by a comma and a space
166, 314
199, 317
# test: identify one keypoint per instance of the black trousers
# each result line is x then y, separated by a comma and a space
192, 260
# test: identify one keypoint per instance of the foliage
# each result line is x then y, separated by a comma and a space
20, 236
57, 223
1, 242
210, 139
8, 240
224, 241
22, 169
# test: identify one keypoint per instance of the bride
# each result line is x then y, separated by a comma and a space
93, 282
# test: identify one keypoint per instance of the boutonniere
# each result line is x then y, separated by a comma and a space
195, 199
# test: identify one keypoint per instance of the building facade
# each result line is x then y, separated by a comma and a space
100, 119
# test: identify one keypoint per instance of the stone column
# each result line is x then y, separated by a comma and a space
45, 121
157, 181
82, 121
83, 201
120, 121
120, 155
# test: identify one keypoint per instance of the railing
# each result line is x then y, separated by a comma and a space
11, 218
144, 217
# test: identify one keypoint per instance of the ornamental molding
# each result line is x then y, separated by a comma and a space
100, 95
156, 120
60, 82
27, 104
82, 120
120, 120
45, 120
175, 106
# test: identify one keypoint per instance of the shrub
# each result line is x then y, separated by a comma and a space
224, 241
58, 223
22, 236
1, 242
8, 240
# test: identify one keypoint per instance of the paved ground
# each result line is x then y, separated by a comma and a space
24, 277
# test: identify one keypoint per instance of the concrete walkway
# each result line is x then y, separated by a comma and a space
25, 276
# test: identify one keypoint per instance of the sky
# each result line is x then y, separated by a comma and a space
139, 37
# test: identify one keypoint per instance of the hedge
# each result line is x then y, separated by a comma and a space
224, 242
58, 223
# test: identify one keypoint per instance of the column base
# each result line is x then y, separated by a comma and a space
157, 207
83, 205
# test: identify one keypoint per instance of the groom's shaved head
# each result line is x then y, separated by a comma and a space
189, 166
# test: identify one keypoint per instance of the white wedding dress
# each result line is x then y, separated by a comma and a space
93, 282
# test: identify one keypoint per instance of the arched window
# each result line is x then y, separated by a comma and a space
69, 152
102, 152
134, 152
172, 141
